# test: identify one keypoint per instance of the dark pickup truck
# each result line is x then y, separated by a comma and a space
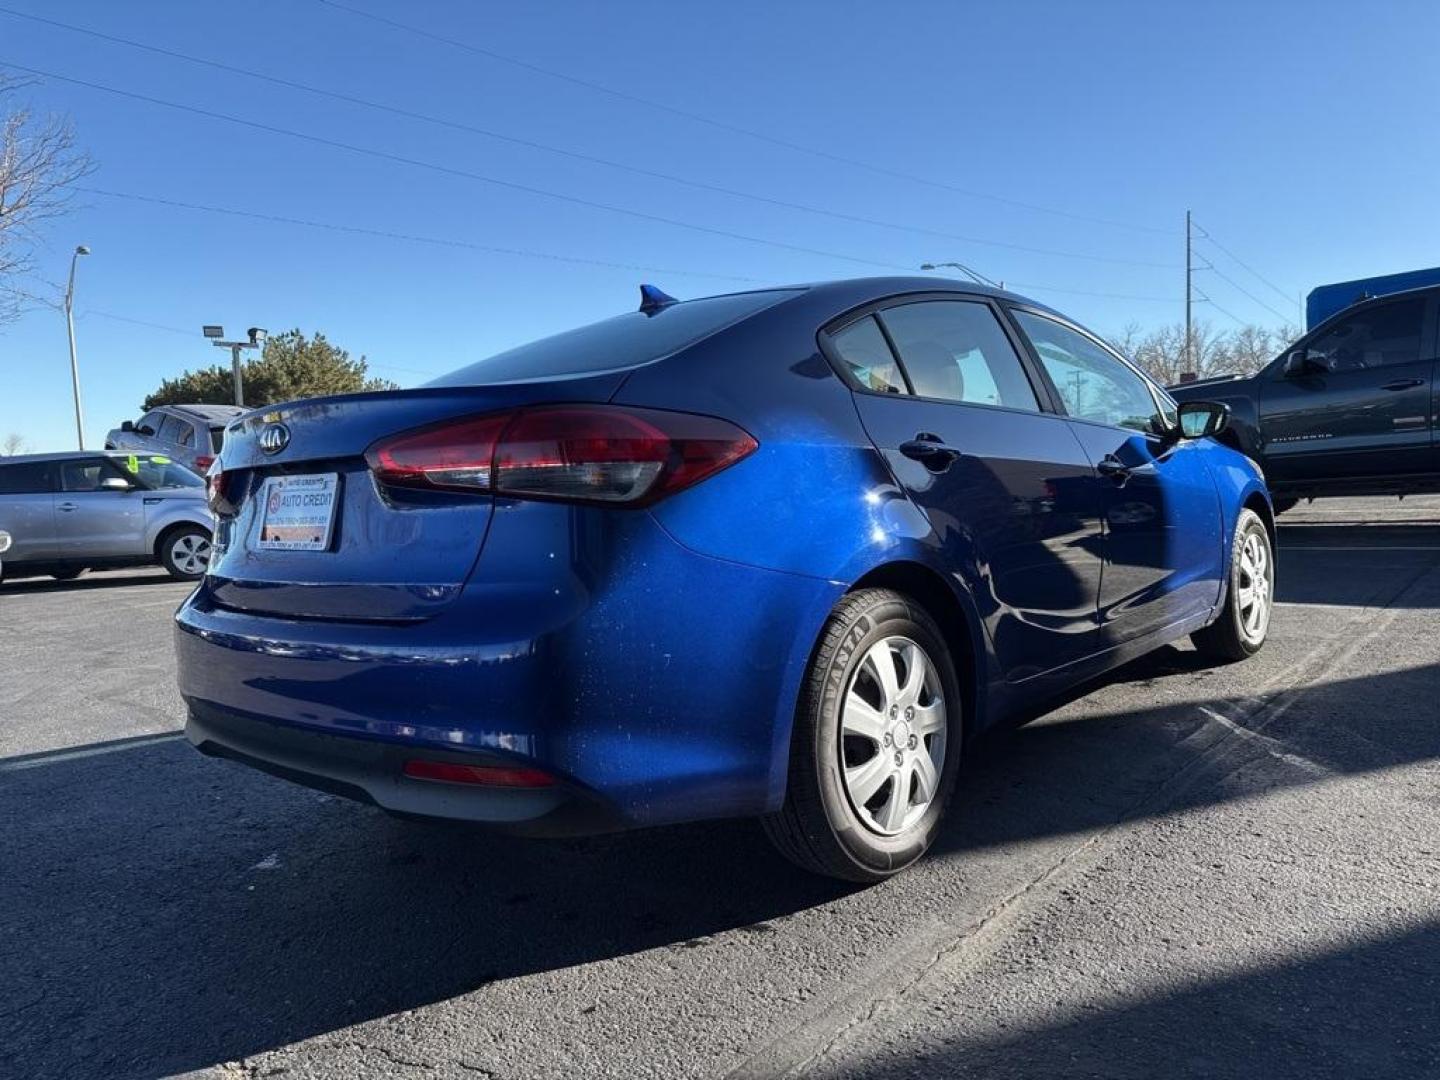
1349, 409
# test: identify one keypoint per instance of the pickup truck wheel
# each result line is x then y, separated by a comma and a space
1282, 505
1240, 630
185, 552
69, 575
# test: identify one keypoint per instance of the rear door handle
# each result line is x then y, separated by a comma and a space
929, 450
67, 507
1402, 384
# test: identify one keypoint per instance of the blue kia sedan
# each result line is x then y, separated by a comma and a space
778, 554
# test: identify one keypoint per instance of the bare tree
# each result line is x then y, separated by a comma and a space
38, 164
1162, 351
12, 444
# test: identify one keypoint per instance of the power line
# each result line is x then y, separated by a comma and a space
735, 128
1241, 289
576, 155
1246, 266
464, 173
409, 237
490, 249
450, 170
1234, 318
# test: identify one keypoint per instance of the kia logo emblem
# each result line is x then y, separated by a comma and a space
274, 438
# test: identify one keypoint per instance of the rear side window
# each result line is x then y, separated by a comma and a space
866, 355
217, 438
955, 350
624, 341
32, 478
1381, 336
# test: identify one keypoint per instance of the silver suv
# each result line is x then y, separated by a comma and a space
191, 434
68, 513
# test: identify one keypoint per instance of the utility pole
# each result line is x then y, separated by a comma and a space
1189, 272
74, 364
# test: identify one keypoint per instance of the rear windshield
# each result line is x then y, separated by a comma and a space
621, 342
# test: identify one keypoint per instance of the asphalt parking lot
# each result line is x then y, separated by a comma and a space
1182, 871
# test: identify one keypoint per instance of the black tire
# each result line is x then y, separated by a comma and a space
1281, 506
818, 827
170, 550
69, 575
1227, 639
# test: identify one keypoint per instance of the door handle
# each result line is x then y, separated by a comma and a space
1402, 384
929, 450
1114, 468
67, 507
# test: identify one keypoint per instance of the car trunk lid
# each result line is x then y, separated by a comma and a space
385, 558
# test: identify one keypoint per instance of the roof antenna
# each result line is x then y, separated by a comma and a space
653, 300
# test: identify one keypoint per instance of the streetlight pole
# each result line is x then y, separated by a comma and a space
74, 364
973, 275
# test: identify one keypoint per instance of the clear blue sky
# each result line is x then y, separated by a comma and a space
1301, 134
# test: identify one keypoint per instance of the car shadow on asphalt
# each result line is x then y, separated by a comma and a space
1371, 1010
110, 580
165, 912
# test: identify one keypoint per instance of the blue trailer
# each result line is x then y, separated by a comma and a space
1326, 300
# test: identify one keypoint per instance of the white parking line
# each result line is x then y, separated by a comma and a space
52, 757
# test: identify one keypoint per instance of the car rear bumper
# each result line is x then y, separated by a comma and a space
370, 771
657, 685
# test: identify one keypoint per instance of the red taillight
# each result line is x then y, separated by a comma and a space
485, 775
203, 462
215, 478
583, 453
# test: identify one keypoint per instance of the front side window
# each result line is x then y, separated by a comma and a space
86, 474
156, 471
152, 421
31, 478
955, 350
1377, 337
866, 355
1093, 384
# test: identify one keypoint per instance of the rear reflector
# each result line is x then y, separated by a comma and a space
574, 453
484, 775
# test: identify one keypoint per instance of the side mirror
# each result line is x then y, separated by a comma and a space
1201, 418
127, 425
115, 483
1297, 364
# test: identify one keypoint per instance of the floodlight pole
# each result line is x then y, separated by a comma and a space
257, 338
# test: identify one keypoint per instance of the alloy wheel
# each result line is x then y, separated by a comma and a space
191, 553
1253, 586
893, 730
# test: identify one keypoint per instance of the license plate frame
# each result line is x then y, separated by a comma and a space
305, 504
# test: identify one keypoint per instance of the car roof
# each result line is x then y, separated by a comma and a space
70, 455
846, 293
